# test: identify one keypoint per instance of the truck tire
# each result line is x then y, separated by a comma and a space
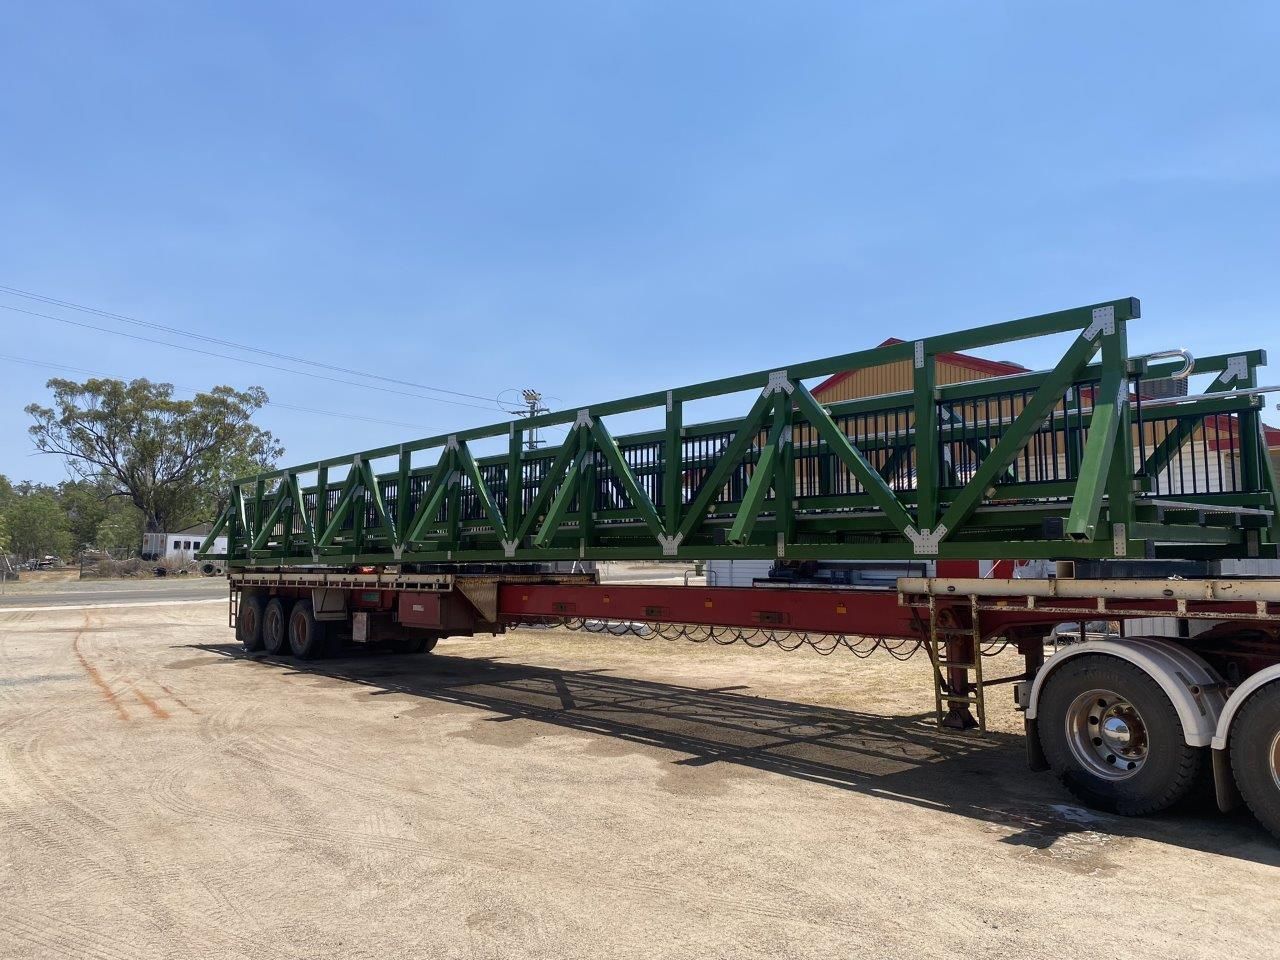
420, 644
1113, 737
1255, 755
306, 635
275, 627
249, 621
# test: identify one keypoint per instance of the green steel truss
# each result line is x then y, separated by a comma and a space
1073, 462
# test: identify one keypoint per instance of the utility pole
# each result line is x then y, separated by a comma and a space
533, 401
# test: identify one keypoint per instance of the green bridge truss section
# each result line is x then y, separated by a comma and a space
1084, 460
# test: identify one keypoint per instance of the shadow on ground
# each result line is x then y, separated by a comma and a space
903, 758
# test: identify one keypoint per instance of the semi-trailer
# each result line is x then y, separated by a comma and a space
1150, 506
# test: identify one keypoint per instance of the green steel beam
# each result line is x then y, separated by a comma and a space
1008, 331
373, 494
622, 471
763, 477
1095, 464
469, 467
1020, 431
284, 498
218, 526
928, 473
432, 496
880, 492
934, 516
350, 488
566, 489
551, 481
711, 485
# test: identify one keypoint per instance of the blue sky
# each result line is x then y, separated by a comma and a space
600, 199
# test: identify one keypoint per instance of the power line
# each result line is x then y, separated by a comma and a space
223, 356
178, 331
29, 361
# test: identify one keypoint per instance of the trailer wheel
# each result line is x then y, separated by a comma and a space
1113, 737
420, 644
274, 622
306, 634
249, 621
1255, 755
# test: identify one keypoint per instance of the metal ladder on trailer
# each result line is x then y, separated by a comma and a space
951, 705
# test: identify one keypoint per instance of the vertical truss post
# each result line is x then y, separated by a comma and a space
673, 464
1252, 440
784, 481
357, 508
515, 477
284, 495
453, 510
322, 506
402, 495
587, 494
926, 424
1120, 479
238, 524
255, 521
1102, 448
1269, 481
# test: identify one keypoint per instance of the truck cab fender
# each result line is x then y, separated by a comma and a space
1194, 687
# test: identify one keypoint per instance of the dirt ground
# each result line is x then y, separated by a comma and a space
562, 795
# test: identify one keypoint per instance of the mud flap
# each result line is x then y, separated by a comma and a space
1035, 752
1225, 790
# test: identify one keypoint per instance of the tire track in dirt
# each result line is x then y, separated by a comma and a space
94, 675
497, 851
57, 936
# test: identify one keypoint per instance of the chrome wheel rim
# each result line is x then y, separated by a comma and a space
1107, 734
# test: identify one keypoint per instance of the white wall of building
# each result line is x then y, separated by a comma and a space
178, 546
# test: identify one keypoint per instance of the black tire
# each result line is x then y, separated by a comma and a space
307, 636
418, 644
249, 621
1255, 755
275, 634
1163, 773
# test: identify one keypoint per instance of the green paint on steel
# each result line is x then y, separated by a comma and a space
796, 477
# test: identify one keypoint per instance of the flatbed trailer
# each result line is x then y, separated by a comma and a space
1083, 463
